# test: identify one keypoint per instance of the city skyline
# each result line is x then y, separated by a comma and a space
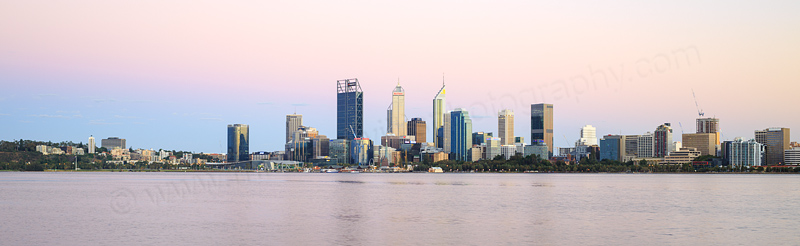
67, 80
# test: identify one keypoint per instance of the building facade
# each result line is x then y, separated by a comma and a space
776, 140
588, 136
92, 145
293, 122
709, 125
739, 153
445, 133
417, 128
238, 142
542, 125
492, 147
113, 143
349, 109
703, 142
397, 116
505, 126
508, 151
662, 140
612, 147
792, 156
460, 134
439, 118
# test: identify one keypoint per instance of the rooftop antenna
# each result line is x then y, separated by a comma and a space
443, 79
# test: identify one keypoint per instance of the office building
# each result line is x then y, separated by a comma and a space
446, 133
519, 139
460, 134
238, 143
703, 142
508, 151
632, 145
538, 148
709, 125
92, 145
475, 154
113, 143
339, 151
680, 157
479, 138
293, 122
417, 128
792, 156
492, 147
361, 152
612, 147
542, 125
397, 112
505, 126
588, 136
349, 109
776, 140
739, 153
439, 118
662, 140
645, 145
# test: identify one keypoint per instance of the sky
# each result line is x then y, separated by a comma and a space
173, 74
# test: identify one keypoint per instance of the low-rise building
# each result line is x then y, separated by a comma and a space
680, 157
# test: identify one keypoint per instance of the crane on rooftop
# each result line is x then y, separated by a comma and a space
699, 111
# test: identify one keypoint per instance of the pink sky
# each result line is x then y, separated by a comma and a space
134, 68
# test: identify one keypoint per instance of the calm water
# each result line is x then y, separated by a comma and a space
398, 209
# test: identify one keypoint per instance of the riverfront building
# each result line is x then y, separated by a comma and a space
439, 118
460, 134
704, 142
293, 122
416, 128
397, 112
662, 140
542, 125
92, 145
349, 109
739, 153
238, 142
776, 140
505, 126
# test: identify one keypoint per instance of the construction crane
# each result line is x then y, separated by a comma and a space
699, 111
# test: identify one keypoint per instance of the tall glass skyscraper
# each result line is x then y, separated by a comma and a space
438, 118
542, 125
349, 109
238, 142
460, 134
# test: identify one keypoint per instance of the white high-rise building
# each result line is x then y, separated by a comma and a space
492, 147
92, 144
588, 136
397, 117
505, 126
645, 145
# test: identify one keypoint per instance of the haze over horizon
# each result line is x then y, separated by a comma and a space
173, 75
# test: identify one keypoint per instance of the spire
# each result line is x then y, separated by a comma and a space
442, 79
398, 81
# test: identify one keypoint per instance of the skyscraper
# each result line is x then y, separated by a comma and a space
505, 126
238, 142
92, 145
776, 140
542, 125
349, 109
738, 153
588, 136
444, 131
460, 134
397, 118
438, 118
417, 128
703, 142
293, 122
662, 140
709, 125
